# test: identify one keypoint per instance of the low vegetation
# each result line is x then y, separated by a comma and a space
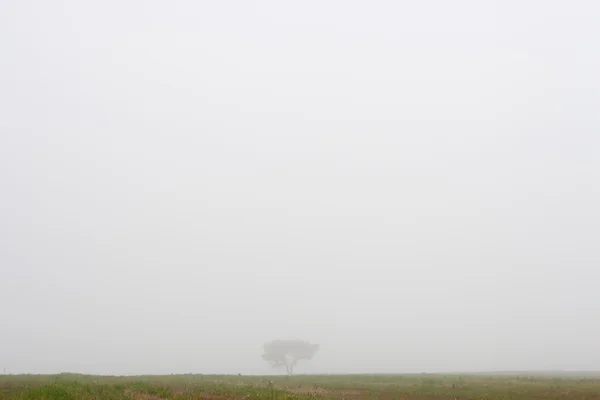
350, 387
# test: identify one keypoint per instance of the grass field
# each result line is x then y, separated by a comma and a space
357, 387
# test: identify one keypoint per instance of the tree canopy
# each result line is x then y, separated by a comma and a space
287, 353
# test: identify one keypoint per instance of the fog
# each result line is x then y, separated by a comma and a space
413, 185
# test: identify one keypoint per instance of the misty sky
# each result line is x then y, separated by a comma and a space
412, 184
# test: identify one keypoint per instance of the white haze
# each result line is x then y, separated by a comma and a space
414, 185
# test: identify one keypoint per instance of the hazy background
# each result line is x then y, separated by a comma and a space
411, 184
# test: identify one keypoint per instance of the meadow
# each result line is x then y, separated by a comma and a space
351, 387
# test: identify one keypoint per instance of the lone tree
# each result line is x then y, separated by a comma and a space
288, 352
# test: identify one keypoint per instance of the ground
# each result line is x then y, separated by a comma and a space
348, 387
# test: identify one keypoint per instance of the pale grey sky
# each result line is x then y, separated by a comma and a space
412, 184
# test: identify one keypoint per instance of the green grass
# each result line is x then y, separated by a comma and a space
182, 387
